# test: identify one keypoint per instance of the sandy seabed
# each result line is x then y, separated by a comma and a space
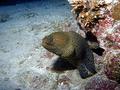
23, 60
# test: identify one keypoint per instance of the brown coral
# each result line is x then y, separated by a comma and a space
88, 13
116, 12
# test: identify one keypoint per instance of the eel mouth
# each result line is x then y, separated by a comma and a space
45, 41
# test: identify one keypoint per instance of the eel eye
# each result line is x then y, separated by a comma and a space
48, 40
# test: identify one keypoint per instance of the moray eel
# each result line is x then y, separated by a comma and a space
73, 51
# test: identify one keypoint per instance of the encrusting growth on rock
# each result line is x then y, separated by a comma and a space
73, 51
116, 12
88, 13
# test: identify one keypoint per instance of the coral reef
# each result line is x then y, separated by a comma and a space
88, 13
95, 17
112, 67
100, 20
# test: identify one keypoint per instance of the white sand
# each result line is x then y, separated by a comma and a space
21, 53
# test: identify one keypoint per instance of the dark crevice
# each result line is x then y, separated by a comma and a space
98, 51
91, 37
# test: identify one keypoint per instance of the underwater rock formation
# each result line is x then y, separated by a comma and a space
94, 18
100, 22
116, 12
73, 50
100, 83
112, 68
88, 13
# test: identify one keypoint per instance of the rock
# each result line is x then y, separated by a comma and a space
112, 68
100, 83
116, 12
